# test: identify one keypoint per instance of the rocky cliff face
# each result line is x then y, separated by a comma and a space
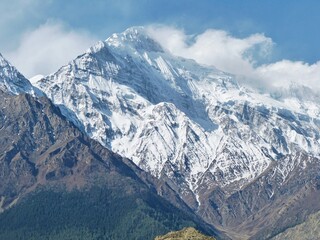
49, 169
40, 150
210, 138
236, 156
306, 231
268, 205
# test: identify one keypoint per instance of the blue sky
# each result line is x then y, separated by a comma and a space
292, 25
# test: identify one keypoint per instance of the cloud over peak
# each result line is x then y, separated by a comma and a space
48, 47
247, 58
45, 49
215, 47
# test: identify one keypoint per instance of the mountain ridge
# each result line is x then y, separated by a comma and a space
236, 156
195, 127
118, 68
50, 171
11, 80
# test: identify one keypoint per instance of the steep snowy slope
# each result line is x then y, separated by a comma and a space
13, 81
191, 125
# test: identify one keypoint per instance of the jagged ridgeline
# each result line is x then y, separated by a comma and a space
57, 183
236, 155
208, 148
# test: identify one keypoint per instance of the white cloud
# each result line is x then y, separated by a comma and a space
239, 56
47, 48
284, 72
51, 45
215, 47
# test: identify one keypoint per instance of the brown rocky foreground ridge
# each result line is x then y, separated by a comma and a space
189, 233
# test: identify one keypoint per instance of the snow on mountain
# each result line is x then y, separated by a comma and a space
190, 124
36, 78
13, 81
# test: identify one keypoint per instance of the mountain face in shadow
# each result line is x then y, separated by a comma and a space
57, 183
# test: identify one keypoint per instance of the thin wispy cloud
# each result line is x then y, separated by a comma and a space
47, 48
214, 47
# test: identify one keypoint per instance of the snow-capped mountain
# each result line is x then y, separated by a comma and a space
192, 125
14, 82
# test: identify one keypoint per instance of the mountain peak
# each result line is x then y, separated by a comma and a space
12, 81
209, 138
136, 38
3, 61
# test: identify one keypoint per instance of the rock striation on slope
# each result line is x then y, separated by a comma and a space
42, 156
209, 137
56, 182
305, 231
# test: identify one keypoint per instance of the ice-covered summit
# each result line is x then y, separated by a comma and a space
135, 37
